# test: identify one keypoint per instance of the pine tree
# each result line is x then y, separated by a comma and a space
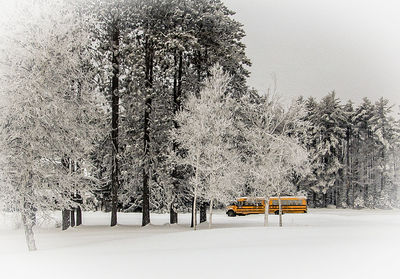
110, 29
172, 54
310, 139
384, 139
364, 154
329, 146
346, 193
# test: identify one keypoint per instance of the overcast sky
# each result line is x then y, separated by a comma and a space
316, 46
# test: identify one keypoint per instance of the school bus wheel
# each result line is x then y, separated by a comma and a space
231, 213
277, 212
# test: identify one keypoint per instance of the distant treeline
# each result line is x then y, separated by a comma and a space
354, 152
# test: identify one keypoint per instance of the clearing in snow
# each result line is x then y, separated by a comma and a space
324, 243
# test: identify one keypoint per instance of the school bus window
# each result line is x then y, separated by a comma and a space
287, 202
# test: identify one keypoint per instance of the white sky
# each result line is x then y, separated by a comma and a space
316, 46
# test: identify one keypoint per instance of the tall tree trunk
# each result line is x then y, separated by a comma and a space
314, 199
211, 214
78, 216
178, 64
73, 217
66, 222
203, 212
194, 215
149, 53
347, 168
173, 215
199, 69
115, 124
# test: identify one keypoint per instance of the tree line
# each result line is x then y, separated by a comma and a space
354, 151
142, 105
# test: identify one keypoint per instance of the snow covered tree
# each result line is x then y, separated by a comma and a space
329, 146
363, 157
352, 153
309, 139
384, 131
346, 189
205, 132
112, 52
171, 53
106, 37
50, 110
275, 152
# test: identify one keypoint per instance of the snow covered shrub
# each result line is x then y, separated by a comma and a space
359, 203
384, 200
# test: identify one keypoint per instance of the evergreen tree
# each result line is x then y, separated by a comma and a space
331, 132
364, 154
384, 138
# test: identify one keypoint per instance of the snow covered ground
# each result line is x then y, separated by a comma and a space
325, 243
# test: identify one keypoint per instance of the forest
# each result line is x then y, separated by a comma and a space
143, 106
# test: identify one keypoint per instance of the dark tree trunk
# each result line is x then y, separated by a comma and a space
198, 66
173, 215
194, 215
66, 222
203, 212
180, 73
178, 63
314, 199
78, 216
73, 217
347, 178
115, 125
146, 131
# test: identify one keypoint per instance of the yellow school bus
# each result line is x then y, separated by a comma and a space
249, 205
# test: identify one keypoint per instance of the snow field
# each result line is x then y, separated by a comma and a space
325, 243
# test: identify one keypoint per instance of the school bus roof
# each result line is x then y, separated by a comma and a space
251, 198
291, 197
262, 198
